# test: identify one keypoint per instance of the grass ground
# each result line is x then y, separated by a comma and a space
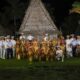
56, 70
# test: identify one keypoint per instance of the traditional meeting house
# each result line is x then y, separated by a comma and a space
37, 21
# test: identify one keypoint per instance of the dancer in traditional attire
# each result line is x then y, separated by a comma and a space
30, 52
18, 49
35, 48
23, 50
44, 49
52, 50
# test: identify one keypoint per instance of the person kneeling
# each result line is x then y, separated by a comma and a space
59, 54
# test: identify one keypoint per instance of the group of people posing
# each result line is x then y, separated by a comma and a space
46, 49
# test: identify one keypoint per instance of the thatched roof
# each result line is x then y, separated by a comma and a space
37, 20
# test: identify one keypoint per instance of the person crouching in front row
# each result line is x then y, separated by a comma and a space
59, 54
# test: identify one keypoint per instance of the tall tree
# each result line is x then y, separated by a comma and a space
12, 13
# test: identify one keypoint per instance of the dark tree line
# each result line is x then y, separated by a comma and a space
12, 13
59, 10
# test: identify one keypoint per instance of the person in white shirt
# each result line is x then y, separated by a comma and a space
69, 51
30, 37
68, 41
14, 44
1, 45
46, 37
72, 37
4, 47
9, 49
68, 47
59, 54
22, 36
74, 44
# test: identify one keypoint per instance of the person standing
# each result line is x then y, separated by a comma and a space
30, 37
4, 41
68, 47
1, 45
14, 44
74, 44
18, 49
9, 49
22, 36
